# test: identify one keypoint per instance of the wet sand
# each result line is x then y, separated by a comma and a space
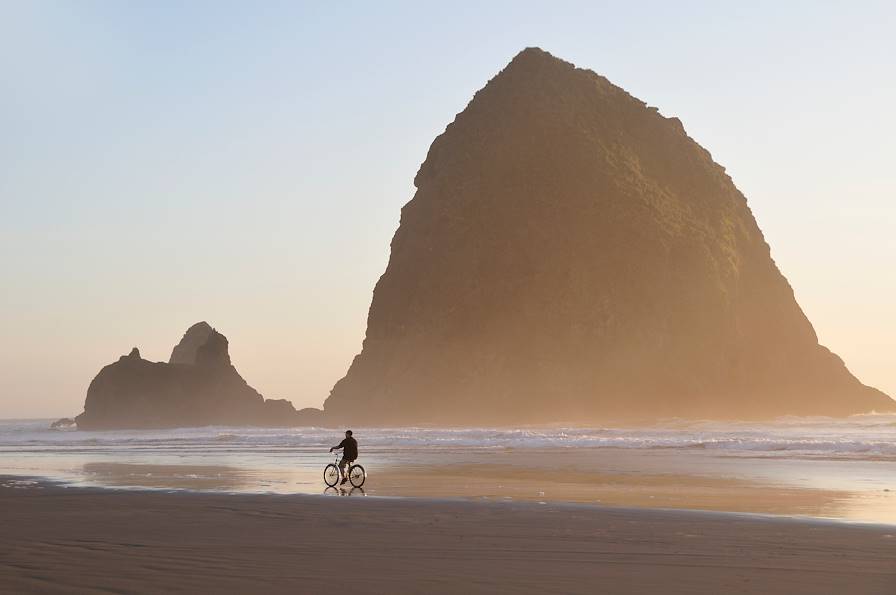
88, 540
656, 490
617, 478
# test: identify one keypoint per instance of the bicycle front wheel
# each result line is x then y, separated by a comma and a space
357, 475
331, 475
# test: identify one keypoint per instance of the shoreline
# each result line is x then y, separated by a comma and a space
94, 539
785, 470
37, 482
652, 479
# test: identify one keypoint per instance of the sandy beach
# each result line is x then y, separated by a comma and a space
429, 298
87, 540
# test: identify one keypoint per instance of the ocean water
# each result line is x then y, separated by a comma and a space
858, 452
858, 436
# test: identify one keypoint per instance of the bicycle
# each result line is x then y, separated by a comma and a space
356, 473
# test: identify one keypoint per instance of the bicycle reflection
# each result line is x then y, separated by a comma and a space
340, 491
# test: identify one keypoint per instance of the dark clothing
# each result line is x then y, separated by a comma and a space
343, 463
349, 448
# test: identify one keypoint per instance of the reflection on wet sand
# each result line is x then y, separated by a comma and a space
340, 491
655, 490
615, 478
185, 477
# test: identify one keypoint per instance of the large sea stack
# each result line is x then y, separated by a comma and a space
198, 386
572, 255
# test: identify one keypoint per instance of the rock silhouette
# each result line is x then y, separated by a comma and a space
572, 255
185, 351
198, 387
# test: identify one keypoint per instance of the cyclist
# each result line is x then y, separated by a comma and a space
349, 448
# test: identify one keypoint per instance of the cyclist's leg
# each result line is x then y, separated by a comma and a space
342, 465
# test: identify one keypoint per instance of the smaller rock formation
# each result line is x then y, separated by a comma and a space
311, 416
199, 386
195, 337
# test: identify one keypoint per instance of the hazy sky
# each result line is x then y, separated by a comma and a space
245, 163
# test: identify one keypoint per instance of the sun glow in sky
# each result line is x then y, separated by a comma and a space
242, 163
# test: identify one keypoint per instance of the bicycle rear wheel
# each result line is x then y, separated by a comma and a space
331, 475
357, 475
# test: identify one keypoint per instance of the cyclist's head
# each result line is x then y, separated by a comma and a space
348, 432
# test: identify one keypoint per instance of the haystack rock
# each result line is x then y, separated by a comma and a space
572, 255
198, 386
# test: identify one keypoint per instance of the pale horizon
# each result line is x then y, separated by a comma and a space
247, 168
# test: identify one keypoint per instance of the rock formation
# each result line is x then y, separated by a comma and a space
198, 387
572, 255
195, 337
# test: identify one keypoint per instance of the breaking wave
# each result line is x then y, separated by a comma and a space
860, 436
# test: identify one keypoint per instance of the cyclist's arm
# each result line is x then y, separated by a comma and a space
338, 446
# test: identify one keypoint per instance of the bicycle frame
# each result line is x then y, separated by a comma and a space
347, 467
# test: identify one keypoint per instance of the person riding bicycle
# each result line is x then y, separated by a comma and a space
349, 448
